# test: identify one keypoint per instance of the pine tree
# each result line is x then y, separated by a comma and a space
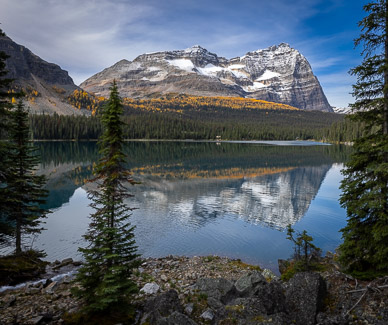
111, 253
365, 185
25, 192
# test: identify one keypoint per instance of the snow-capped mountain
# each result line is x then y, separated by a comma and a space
278, 74
342, 110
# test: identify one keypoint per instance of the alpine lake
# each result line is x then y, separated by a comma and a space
231, 199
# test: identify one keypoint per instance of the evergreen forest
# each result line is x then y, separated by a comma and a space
203, 118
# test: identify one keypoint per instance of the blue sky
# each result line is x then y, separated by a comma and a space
86, 36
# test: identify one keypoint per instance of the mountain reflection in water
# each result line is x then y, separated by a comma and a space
195, 198
270, 199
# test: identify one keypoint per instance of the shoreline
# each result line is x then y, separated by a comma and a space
270, 142
215, 290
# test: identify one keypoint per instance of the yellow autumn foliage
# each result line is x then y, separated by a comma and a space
177, 103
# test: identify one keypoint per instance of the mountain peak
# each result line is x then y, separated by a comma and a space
196, 49
282, 47
273, 74
46, 85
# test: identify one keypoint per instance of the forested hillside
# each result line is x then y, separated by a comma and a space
199, 118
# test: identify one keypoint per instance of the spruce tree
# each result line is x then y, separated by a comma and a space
111, 252
365, 185
24, 190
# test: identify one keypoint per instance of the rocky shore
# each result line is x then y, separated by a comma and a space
212, 290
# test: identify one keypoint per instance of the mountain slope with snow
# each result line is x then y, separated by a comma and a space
278, 74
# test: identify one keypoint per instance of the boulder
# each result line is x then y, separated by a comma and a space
269, 275
52, 287
220, 289
271, 297
67, 261
150, 288
246, 284
161, 306
207, 315
304, 297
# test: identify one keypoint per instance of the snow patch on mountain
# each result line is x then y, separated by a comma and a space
161, 75
154, 68
342, 110
268, 74
210, 70
183, 64
256, 86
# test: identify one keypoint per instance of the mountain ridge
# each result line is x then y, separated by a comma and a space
278, 74
45, 85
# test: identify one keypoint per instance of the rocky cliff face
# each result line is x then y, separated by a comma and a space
46, 85
279, 74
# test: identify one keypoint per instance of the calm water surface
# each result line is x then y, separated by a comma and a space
229, 199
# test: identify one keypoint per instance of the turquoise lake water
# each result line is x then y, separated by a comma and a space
204, 198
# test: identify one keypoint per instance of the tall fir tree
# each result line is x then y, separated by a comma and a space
25, 190
111, 253
6, 227
365, 185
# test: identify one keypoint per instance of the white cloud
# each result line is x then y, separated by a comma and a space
81, 36
87, 36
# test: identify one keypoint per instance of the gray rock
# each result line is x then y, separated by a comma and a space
189, 308
271, 297
67, 261
161, 306
150, 288
245, 285
163, 277
36, 320
304, 297
269, 275
220, 289
214, 303
52, 287
207, 315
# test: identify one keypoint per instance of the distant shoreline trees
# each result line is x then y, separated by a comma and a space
205, 125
